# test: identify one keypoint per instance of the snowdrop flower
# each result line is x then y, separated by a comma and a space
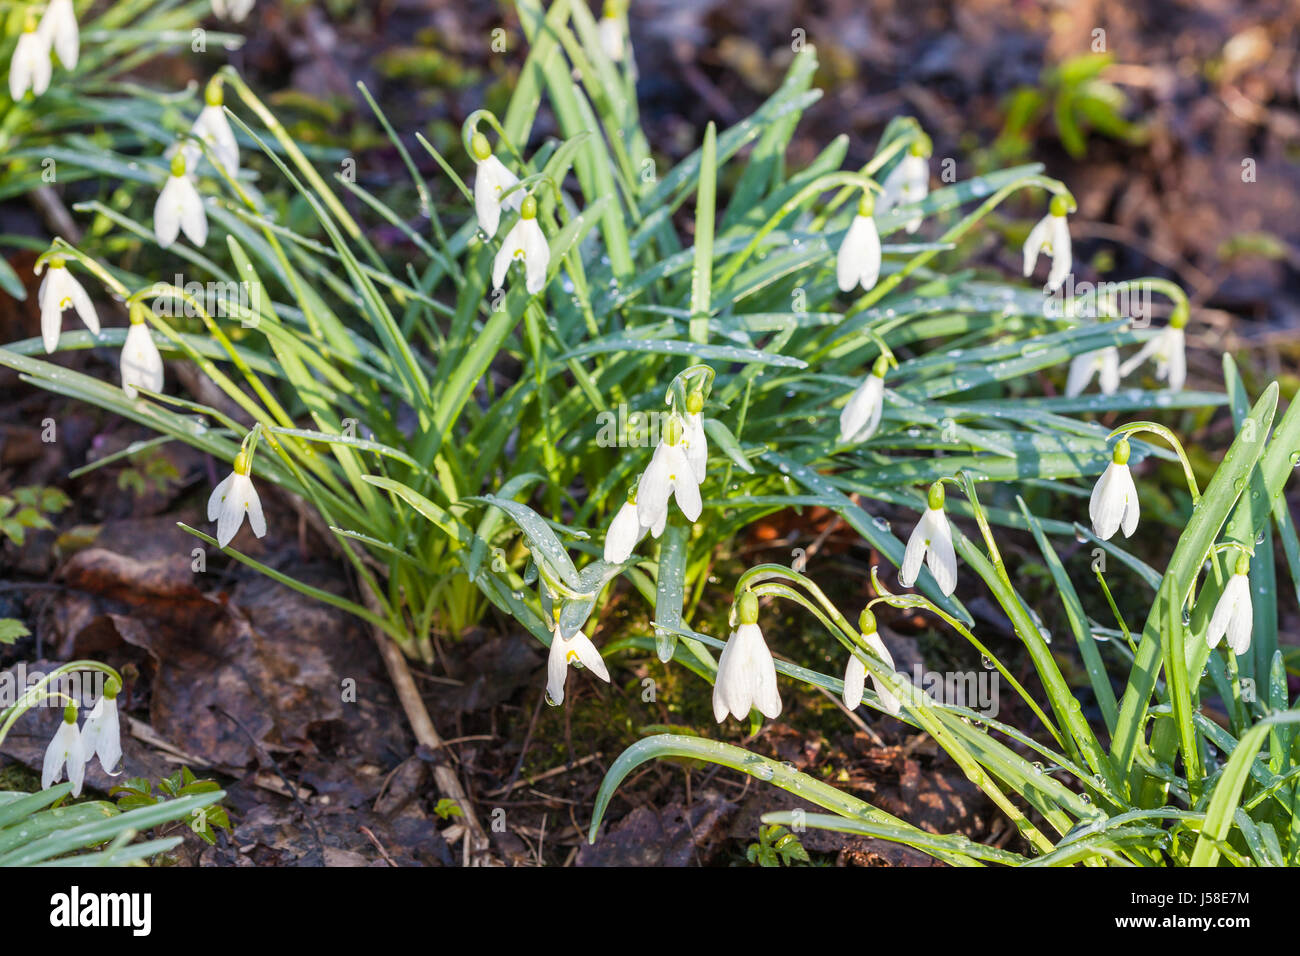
525, 241
858, 261
1233, 615
59, 292
180, 208
746, 674
234, 498
611, 33
59, 30
694, 439
625, 532
141, 364
1169, 349
213, 128
1103, 363
68, 748
491, 179
931, 541
101, 734
908, 182
861, 416
30, 67
1051, 235
1114, 502
669, 474
235, 10
856, 672
577, 649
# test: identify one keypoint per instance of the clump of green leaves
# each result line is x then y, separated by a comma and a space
1077, 99
776, 846
26, 509
203, 820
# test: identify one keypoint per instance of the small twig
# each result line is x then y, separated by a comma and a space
292, 788
553, 772
378, 846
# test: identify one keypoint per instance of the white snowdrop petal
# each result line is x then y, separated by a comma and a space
557, 669
586, 651
141, 363
623, 534
855, 680
218, 496
941, 557
653, 491
913, 556
167, 214
253, 504
1034, 243
1062, 256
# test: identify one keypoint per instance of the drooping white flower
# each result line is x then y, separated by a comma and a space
565, 651
611, 34
525, 241
1169, 348
234, 498
1103, 362
141, 363
59, 30
59, 292
30, 67
907, 183
860, 418
235, 10
101, 734
931, 542
213, 128
1234, 614
1114, 502
1051, 235
491, 180
625, 533
858, 261
694, 438
669, 474
180, 208
855, 673
746, 672
67, 748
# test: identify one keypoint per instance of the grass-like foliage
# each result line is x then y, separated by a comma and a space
466, 441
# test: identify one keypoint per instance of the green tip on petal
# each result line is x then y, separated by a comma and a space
112, 688
695, 403
1060, 205
867, 621
528, 208
867, 204
213, 94
747, 608
935, 498
672, 430
178, 164
1178, 318
1121, 453
480, 147
70, 714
